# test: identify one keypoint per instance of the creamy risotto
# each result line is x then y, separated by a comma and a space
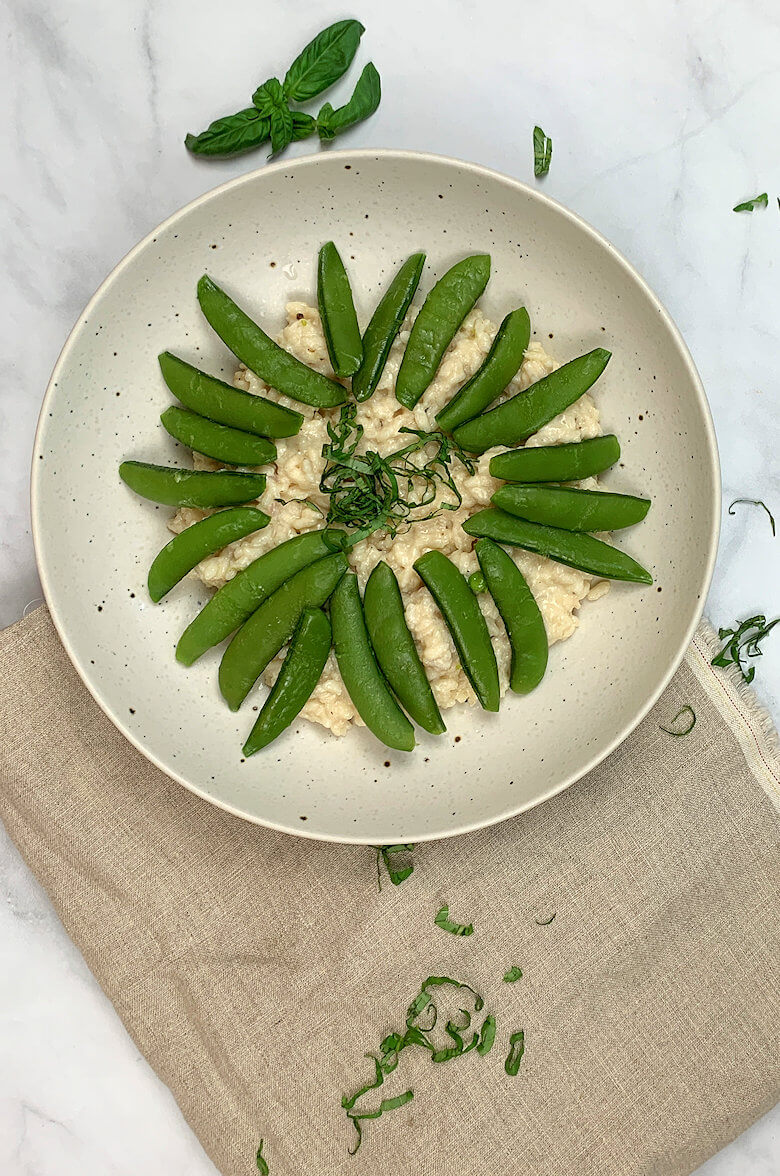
292, 498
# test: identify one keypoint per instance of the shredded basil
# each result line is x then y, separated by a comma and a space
513, 974
487, 1035
690, 714
262, 1166
743, 643
369, 492
444, 921
754, 502
396, 875
387, 1104
752, 204
545, 922
542, 152
516, 1051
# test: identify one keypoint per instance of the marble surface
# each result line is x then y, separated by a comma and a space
663, 116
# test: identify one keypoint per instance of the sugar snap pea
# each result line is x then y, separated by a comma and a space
218, 441
465, 622
269, 628
500, 366
359, 671
395, 649
204, 488
520, 613
517, 418
566, 547
236, 600
261, 355
440, 315
384, 326
337, 312
557, 463
225, 404
571, 509
189, 547
297, 678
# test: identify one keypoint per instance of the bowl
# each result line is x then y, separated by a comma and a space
260, 235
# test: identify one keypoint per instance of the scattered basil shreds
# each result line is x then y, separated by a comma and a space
542, 152
743, 643
262, 1166
513, 974
477, 583
323, 61
754, 502
444, 921
545, 922
231, 135
361, 105
392, 1046
303, 501
752, 204
369, 492
516, 1051
690, 713
397, 875
487, 1035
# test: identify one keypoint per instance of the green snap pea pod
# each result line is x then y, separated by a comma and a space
236, 600
517, 418
566, 547
557, 463
440, 315
499, 367
337, 312
204, 488
386, 321
360, 673
269, 628
261, 355
573, 510
520, 614
187, 549
297, 678
218, 441
225, 404
396, 651
465, 622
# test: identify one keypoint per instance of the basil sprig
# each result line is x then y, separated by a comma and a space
321, 63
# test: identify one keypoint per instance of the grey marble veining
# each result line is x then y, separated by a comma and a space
663, 116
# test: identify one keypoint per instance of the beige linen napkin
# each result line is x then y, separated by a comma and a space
254, 969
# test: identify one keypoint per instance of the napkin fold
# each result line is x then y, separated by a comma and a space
254, 969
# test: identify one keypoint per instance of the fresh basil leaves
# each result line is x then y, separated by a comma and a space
321, 63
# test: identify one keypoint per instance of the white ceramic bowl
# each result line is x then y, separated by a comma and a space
94, 539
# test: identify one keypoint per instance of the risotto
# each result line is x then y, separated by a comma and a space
295, 503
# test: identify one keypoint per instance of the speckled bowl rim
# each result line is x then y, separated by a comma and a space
478, 171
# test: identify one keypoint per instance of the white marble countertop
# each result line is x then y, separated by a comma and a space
663, 116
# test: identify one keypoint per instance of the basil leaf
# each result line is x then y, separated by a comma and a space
281, 128
303, 125
443, 920
323, 61
262, 1166
516, 1051
542, 152
513, 974
231, 135
269, 97
751, 205
362, 104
